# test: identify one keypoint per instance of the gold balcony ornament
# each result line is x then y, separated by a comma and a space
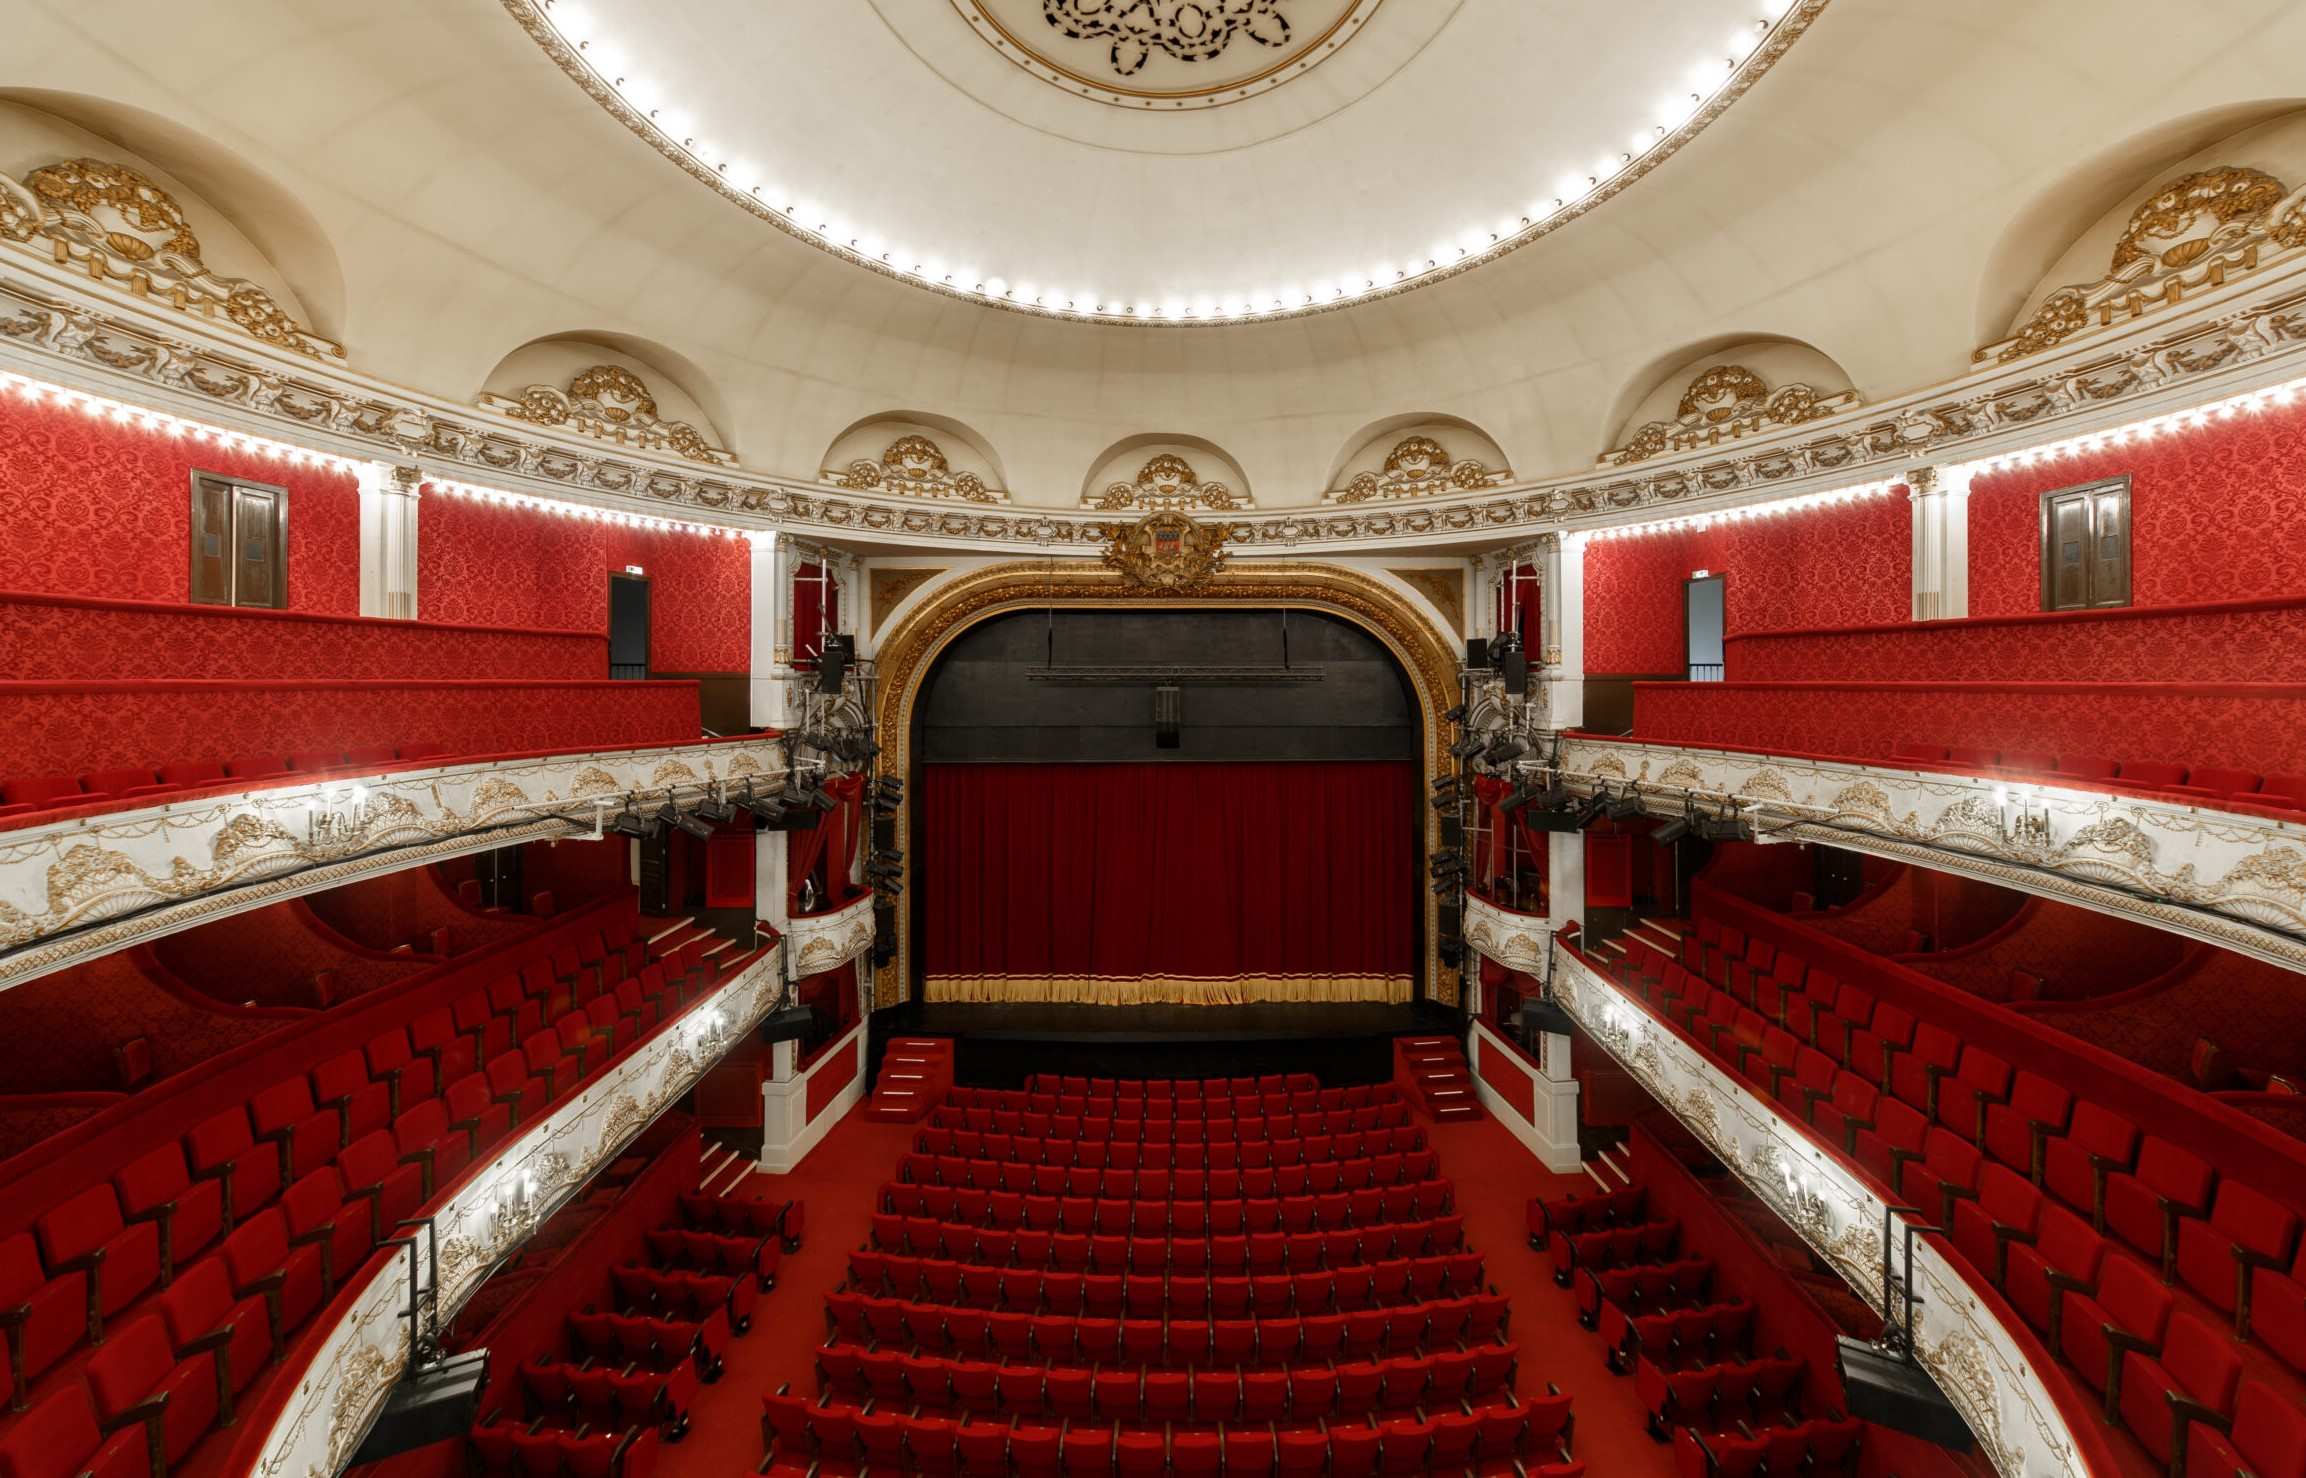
1724, 403
1167, 481
1417, 467
914, 465
2200, 231
609, 403
121, 228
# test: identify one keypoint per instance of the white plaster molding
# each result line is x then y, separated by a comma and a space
88, 337
2235, 881
1975, 1359
336, 1398
75, 889
1515, 940
787, 1133
819, 942
1552, 1137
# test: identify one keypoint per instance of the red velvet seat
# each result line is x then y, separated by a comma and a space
2063, 1250
157, 1187
474, 1112
341, 1082
308, 1136
223, 1148
2088, 767
256, 766
2143, 1205
44, 1318
138, 1369
512, 1085
46, 792
2017, 1131
392, 1182
204, 1315
2158, 1386
2151, 774
319, 1218
2076, 1164
548, 1060
1971, 758
126, 782
192, 776
63, 1438
406, 1075
86, 1234
2266, 1439
2127, 1309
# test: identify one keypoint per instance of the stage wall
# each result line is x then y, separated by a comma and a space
1205, 883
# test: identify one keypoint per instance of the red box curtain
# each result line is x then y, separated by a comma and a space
1203, 883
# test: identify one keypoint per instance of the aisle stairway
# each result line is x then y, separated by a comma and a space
916, 1074
1433, 1072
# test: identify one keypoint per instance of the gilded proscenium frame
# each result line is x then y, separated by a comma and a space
904, 658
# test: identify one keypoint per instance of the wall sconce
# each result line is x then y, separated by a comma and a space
2029, 830
512, 1213
339, 817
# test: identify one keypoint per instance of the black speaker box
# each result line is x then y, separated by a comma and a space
1514, 667
431, 1405
1477, 651
789, 1025
884, 833
1543, 1018
833, 662
1882, 1388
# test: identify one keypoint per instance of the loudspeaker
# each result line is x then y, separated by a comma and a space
788, 1025
884, 832
1168, 716
1514, 668
1477, 651
1882, 1388
833, 662
427, 1406
884, 933
1540, 1017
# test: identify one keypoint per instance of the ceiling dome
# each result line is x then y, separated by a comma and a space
1167, 161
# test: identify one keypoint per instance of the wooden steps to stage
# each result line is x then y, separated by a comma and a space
916, 1074
1434, 1072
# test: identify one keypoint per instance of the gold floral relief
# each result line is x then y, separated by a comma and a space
1419, 466
608, 403
1167, 480
1724, 402
914, 465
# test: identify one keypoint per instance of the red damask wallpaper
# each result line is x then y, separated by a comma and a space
1846, 565
101, 508
491, 565
2217, 512
76, 639
2254, 728
55, 728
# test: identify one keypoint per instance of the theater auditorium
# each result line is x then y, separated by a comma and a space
1121, 738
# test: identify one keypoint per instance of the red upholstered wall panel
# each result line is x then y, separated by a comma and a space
2251, 726
1841, 565
98, 507
2230, 641
700, 597
2217, 512
836, 1070
492, 565
58, 727
80, 639
1507, 1076
62, 1028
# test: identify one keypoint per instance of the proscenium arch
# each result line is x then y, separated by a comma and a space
910, 650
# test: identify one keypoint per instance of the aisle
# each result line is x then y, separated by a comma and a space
1494, 1178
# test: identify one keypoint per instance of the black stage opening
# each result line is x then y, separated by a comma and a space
999, 1046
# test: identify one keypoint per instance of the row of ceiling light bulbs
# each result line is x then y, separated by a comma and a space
1706, 77
2247, 402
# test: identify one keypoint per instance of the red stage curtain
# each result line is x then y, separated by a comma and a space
1129, 883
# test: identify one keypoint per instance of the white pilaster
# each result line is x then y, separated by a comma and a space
388, 533
768, 691
1563, 650
1941, 521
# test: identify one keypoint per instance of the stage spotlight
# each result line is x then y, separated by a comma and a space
1468, 747
717, 808
1542, 1016
1671, 831
1523, 796
1455, 715
1505, 748
889, 793
1593, 809
694, 825
1446, 886
1446, 859
1724, 829
1624, 807
632, 823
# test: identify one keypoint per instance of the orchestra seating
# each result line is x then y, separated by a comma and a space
188, 1268
2154, 1249
1169, 1276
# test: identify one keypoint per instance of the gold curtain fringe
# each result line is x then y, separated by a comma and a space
1169, 990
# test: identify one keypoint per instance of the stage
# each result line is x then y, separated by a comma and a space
997, 1046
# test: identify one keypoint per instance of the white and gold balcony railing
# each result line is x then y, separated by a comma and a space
74, 889
2224, 877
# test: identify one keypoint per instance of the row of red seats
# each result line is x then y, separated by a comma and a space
1614, 1247
1389, 1170
1719, 1397
1825, 1445
2104, 1238
1176, 1087
1311, 1151
823, 1438
1395, 1280
2226, 785
1261, 1252
672, 1350
295, 1189
1047, 1120
1610, 1299
1066, 1339
22, 794
1335, 1211
603, 1395
1131, 1393
1706, 1334
535, 1450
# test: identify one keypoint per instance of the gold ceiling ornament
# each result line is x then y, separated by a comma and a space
610, 403
2201, 230
1184, 30
907, 654
915, 465
1419, 466
1724, 402
1166, 551
1167, 481
121, 228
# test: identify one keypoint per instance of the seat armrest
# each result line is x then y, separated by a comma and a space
2004, 1235
278, 1138
343, 1106
2099, 1165
424, 1157
151, 1414
270, 1286
320, 1237
164, 1215
2038, 1133
2246, 1261
91, 1263
2061, 1284
511, 1101
1948, 1194
2117, 1341
374, 1196
222, 1175
471, 1128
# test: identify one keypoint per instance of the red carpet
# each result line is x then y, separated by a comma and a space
1494, 1175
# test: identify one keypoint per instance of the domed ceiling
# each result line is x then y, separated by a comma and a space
1168, 161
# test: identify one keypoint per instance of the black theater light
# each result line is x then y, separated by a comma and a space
717, 809
630, 822
1669, 832
1454, 714
1505, 748
1724, 829
1467, 747
688, 821
1625, 807
1592, 809
888, 793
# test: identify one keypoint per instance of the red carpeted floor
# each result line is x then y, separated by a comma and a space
1494, 1175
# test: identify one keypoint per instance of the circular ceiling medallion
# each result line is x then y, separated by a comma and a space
1165, 55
